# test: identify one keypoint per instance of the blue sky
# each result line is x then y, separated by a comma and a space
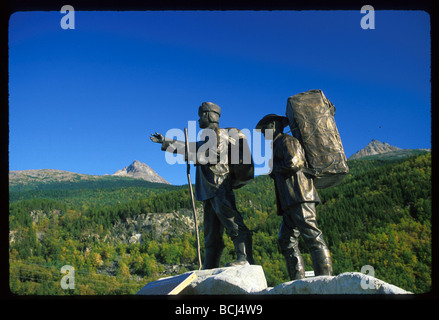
86, 99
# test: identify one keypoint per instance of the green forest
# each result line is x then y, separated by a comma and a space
380, 215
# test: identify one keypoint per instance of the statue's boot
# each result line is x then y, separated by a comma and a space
321, 261
295, 266
241, 255
212, 258
289, 246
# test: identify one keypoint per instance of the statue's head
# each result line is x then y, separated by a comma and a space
209, 113
272, 122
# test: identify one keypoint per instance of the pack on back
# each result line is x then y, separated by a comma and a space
240, 159
311, 120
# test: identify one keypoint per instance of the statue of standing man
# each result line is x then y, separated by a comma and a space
213, 186
296, 198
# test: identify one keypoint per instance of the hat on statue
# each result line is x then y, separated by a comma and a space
272, 117
209, 107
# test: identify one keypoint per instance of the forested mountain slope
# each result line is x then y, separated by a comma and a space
379, 216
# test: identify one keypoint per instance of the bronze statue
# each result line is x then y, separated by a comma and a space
296, 199
213, 186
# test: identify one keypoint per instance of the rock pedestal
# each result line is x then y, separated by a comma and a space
250, 279
345, 283
247, 279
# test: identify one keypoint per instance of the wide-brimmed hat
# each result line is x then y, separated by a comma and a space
271, 117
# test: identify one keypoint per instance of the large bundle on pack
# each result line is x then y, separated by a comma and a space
240, 159
311, 119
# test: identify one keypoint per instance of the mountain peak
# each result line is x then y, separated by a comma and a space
378, 144
140, 170
138, 166
374, 147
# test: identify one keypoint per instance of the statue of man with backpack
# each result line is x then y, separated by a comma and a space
215, 181
296, 198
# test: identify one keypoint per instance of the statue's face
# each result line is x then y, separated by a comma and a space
268, 126
204, 122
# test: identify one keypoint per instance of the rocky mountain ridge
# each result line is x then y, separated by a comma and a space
140, 170
46, 176
378, 148
374, 147
136, 170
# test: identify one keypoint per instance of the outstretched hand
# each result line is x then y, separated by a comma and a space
157, 138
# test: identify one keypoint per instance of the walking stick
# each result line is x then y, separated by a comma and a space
192, 196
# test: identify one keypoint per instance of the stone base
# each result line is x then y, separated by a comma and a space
245, 279
345, 283
250, 279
